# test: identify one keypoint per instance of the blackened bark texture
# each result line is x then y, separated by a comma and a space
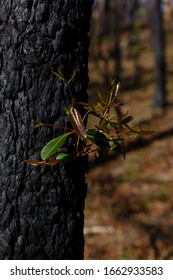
159, 46
41, 216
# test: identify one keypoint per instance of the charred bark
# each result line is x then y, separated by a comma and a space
41, 216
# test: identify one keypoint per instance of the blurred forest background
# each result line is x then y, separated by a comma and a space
129, 206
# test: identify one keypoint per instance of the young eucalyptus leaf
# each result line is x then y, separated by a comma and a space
98, 138
113, 82
77, 122
101, 140
33, 162
120, 148
114, 143
63, 157
114, 124
53, 146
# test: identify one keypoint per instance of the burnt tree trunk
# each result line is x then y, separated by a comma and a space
41, 216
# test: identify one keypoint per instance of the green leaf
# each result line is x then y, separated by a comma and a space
120, 148
63, 157
53, 146
67, 111
113, 82
98, 138
116, 143
101, 140
114, 124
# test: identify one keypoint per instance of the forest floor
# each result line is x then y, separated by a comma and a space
129, 205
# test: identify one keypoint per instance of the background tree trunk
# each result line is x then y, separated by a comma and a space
41, 216
159, 46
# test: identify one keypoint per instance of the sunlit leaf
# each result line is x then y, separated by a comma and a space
117, 87
114, 143
113, 82
67, 111
77, 123
53, 146
63, 157
114, 89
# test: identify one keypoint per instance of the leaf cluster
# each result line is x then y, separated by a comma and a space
108, 133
